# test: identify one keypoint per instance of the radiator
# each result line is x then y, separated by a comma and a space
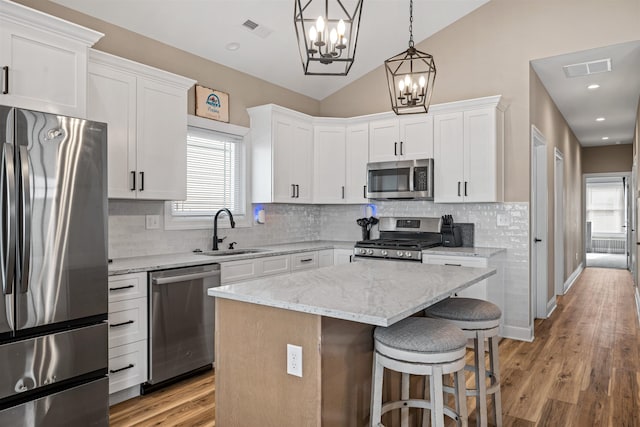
608, 246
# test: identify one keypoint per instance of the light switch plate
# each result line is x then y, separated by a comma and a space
152, 222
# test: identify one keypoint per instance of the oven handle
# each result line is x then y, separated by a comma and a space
184, 277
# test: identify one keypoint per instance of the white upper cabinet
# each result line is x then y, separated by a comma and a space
329, 147
469, 146
282, 155
146, 112
401, 138
43, 61
357, 153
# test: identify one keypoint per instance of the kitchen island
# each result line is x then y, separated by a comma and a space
329, 312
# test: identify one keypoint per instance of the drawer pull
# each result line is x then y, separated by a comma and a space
306, 260
454, 265
115, 325
113, 371
5, 89
119, 288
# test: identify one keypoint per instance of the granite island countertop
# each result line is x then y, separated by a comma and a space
185, 259
371, 291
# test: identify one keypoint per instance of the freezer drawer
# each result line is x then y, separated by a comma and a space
29, 364
84, 405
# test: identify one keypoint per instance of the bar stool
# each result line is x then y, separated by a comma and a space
478, 319
420, 346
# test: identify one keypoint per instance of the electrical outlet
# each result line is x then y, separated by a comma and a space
503, 220
152, 222
294, 360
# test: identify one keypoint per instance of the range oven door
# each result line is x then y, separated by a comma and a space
407, 179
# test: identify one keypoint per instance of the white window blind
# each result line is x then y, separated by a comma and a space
215, 174
606, 207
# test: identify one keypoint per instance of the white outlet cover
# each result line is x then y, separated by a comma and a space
502, 220
152, 222
294, 360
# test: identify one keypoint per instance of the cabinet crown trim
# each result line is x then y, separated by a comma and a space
36, 19
106, 59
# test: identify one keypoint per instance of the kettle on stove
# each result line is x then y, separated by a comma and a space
451, 234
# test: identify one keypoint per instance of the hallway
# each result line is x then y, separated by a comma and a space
583, 368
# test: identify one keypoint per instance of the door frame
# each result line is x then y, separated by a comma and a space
627, 175
558, 222
539, 226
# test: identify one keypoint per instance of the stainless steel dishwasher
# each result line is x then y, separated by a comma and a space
181, 325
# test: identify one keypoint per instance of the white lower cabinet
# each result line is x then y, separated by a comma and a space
128, 316
304, 261
325, 258
342, 256
479, 290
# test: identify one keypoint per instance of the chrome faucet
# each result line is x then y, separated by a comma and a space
215, 227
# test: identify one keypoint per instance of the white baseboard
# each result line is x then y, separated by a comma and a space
572, 279
551, 306
517, 333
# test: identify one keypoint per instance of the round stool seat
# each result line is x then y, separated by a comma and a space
472, 310
421, 339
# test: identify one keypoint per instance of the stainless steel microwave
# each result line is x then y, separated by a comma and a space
405, 179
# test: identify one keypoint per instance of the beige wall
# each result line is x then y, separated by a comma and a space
547, 118
244, 90
610, 158
488, 51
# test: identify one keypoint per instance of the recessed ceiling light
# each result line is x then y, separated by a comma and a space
604, 138
233, 46
600, 119
593, 86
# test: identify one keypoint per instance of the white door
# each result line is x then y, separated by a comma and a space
448, 158
111, 98
558, 247
302, 162
282, 152
539, 225
329, 164
480, 157
416, 137
357, 153
383, 140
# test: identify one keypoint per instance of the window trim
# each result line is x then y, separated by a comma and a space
174, 222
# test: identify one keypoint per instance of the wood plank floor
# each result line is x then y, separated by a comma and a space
583, 369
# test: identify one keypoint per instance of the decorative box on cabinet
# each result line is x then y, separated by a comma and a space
43, 60
282, 155
469, 151
146, 112
403, 138
127, 335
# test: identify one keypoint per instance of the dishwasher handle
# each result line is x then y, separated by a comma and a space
184, 277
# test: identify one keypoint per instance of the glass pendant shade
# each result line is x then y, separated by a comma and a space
327, 34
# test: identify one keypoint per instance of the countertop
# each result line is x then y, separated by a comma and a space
161, 262
462, 251
371, 291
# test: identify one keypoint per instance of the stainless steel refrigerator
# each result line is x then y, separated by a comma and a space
53, 267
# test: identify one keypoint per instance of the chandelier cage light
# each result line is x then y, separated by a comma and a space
327, 35
410, 76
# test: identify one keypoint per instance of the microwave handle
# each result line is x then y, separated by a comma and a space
412, 179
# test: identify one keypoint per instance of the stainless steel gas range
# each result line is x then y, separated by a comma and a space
401, 239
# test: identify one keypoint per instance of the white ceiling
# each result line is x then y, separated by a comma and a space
616, 99
206, 27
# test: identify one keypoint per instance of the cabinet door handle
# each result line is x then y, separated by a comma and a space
364, 191
113, 371
343, 191
115, 325
5, 87
350, 258
458, 188
465, 189
395, 148
306, 260
133, 180
293, 191
297, 191
401, 148
119, 288
141, 181
453, 265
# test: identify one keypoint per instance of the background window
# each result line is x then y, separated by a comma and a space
215, 174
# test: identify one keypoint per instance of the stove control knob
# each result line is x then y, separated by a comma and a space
408, 254
383, 252
399, 253
363, 251
370, 251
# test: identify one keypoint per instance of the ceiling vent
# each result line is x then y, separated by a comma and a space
587, 68
257, 29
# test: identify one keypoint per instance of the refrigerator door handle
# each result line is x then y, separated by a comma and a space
8, 200
25, 195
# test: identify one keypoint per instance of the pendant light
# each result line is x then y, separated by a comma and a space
410, 76
327, 35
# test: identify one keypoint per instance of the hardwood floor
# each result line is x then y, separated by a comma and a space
583, 368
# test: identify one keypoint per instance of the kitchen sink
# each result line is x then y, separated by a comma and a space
229, 252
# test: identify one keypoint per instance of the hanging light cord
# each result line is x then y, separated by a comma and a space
410, 23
